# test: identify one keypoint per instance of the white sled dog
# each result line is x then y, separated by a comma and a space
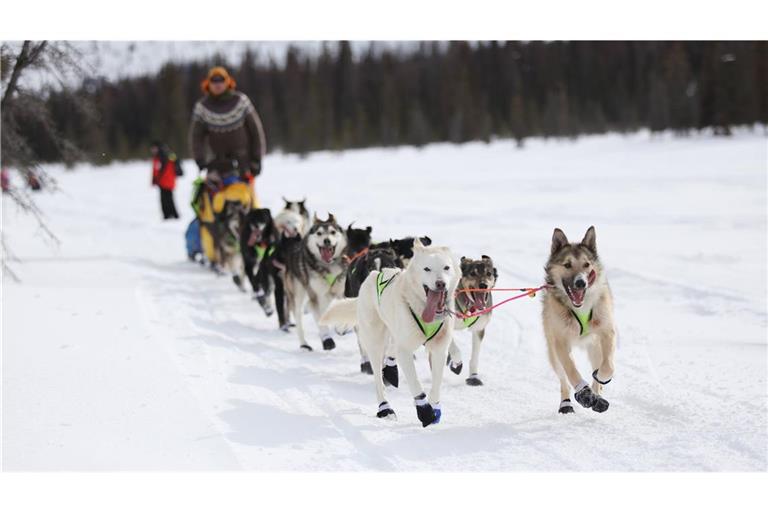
578, 311
409, 307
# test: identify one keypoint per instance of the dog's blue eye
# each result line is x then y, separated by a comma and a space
427, 269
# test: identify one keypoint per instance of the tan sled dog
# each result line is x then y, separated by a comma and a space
578, 311
408, 307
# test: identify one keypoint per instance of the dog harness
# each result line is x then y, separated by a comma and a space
470, 321
382, 283
583, 319
428, 329
331, 279
264, 250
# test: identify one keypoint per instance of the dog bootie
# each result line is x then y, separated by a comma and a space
389, 372
425, 411
385, 411
585, 396
566, 407
306, 347
329, 344
600, 405
454, 366
365, 367
474, 380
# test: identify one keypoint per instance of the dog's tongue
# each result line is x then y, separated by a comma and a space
577, 296
434, 298
326, 253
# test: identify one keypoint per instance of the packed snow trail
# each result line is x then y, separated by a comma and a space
120, 354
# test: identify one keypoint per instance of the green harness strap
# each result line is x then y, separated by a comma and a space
381, 283
429, 329
583, 318
331, 279
262, 251
468, 322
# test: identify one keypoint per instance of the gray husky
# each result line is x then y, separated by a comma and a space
475, 275
315, 272
578, 311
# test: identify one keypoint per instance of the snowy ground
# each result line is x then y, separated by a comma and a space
120, 354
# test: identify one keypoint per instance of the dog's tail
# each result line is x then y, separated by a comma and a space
341, 313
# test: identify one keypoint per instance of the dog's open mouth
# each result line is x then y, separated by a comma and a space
327, 252
435, 304
575, 294
477, 301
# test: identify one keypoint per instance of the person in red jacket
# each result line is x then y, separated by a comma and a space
165, 168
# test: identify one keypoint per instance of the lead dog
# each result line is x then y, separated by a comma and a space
409, 307
578, 311
475, 275
315, 272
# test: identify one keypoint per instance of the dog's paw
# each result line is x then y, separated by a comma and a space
424, 411
566, 407
329, 344
454, 366
474, 380
386, 412
585, 397
389, 373
366, 368
600, 405
306, 347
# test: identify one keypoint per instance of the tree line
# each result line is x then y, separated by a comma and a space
433, 92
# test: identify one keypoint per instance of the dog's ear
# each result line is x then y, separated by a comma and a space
331, 218
464, 263
590, 240
485, 257
287, 202
368, 229
559, 240
417, 244
349, 228
495, 273
426, 240
315, 220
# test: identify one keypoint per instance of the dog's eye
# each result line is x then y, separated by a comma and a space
488, 274
427, 269
586, 264
333, 233
567, 264
446, 268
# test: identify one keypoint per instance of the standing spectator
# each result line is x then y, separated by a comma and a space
165, 168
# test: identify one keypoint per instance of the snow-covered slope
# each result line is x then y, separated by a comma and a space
120, 354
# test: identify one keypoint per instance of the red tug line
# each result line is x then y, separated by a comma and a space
528, 292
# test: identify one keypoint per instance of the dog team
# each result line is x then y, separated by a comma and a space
402, 295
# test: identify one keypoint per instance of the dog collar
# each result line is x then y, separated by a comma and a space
583, 318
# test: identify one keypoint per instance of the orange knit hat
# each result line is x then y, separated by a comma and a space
217, 71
